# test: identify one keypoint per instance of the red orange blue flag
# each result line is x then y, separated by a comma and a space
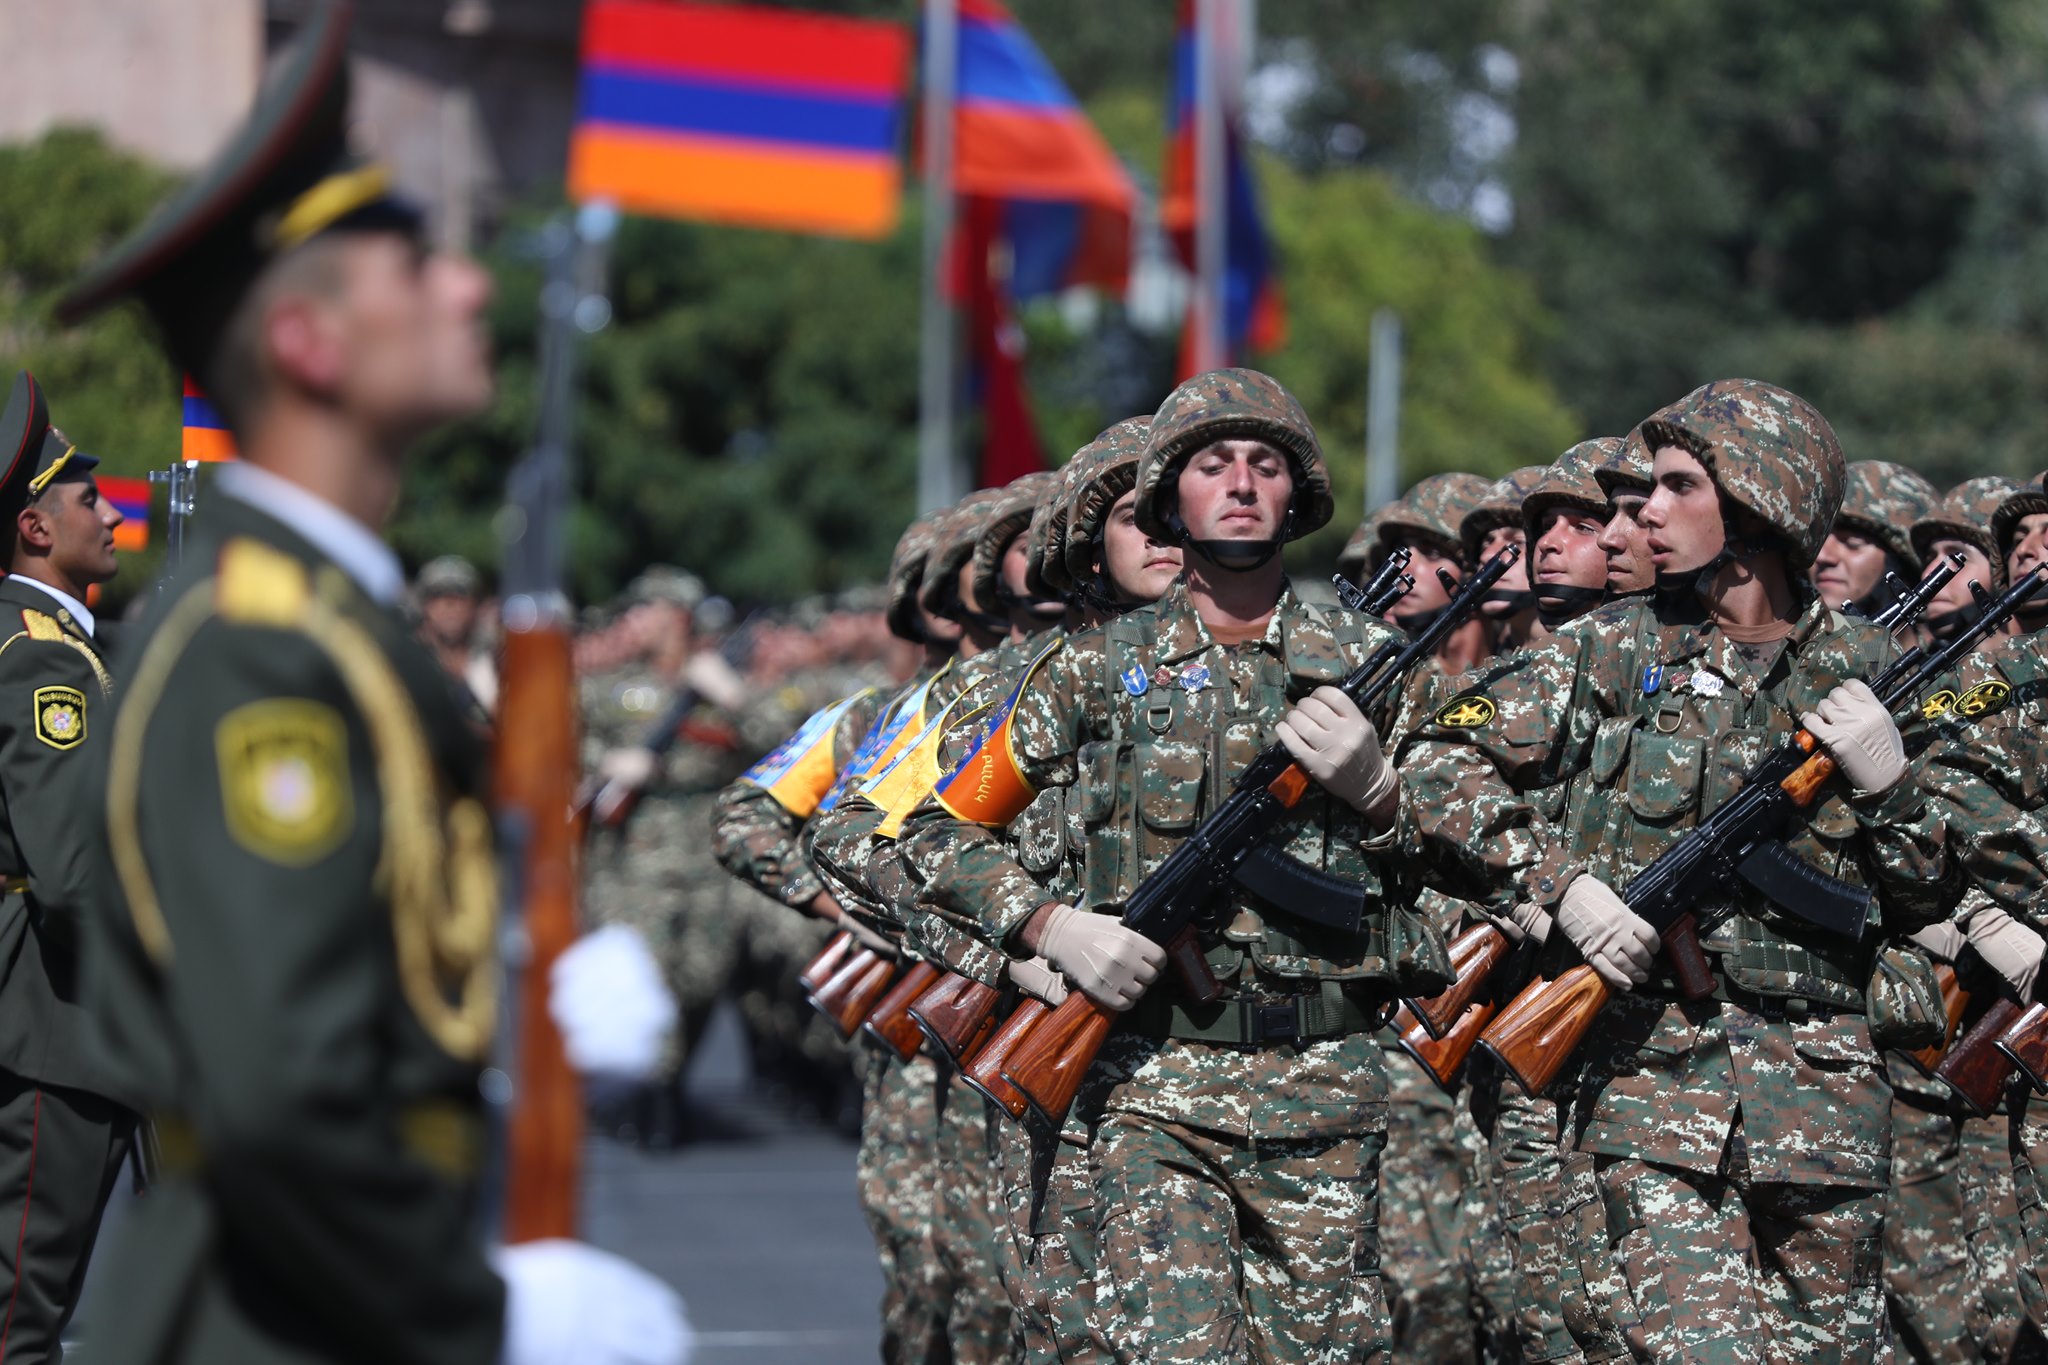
206, 436
765, 117
130, 498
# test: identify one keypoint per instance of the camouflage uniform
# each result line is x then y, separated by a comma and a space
1741, 1143
1235, 1152
1883, 500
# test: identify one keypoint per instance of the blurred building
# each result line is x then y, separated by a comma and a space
469, 100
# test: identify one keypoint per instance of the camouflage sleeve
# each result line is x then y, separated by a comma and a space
969, 873
1908, 857
837, 844
1469, 772
1984, 779
755, 839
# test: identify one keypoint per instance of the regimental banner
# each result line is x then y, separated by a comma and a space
206, 437
883, 741
131, 499
763, 117
800, 770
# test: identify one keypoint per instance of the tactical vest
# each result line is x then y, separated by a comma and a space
1164, 766
1674, 753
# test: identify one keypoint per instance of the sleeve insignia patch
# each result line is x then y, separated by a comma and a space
1982, 699
60, 717
284, 779
1938, 704
1468, 712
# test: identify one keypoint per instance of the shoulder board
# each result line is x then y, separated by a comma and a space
260, 585
40, 625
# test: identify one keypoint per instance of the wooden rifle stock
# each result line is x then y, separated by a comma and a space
854, 990
1049, 1065
890, 1023
958, 1015
1976, 1069
1954, 1002
1540, 1028
1474, 955
2026, 1043
984, 1070
1444, 1057
826, 962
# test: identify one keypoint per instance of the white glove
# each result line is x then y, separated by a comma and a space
1336, 745
632, 768
1525, 920
1615, 941
1106, 962
567, 1303
1944, 940
715, 680
1859, 734
1035, 977
608, 999
868, 938
2010, 948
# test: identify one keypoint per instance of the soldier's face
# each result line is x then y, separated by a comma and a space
1016, 559
1429, 593
2029, 545
413, 349
1848, 568
1957, 596
1683, 515
1516, 579
1568, 549
74, 525
1235, 490
1627, 546
1137, 566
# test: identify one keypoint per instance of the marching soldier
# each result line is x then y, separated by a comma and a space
1492, 525
1426, 522
1872, 536
1961, 524
294, 971
1760, 1117
67, 1118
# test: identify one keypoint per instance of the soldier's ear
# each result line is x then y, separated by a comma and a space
32, 527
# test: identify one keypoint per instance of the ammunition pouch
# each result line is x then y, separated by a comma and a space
1758, 959
1905, 1007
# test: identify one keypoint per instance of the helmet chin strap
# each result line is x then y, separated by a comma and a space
1700, 581
1233, 556
1516, 600
1557, 603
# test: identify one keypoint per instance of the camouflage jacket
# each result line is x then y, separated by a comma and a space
754, 835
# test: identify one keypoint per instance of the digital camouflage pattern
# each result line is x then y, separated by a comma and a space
1009, 515
1571, 482
896, 1170
1426, 1205
1231, 405
952, 548
1964, 513
1631, 470
1047, 538
1112, 471
1502, 506
1769, 451
1883, 501
1434, 508
2025, 500
964, 1229
906, 575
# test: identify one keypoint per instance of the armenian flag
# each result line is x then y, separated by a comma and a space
1253, 315
206, 436
772, 118
131, 498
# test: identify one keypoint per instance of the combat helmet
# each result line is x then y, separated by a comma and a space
1770, 452
906, 575
1115, 456
1572, 482
1009, 515
952, 548
1226, 405
2026, 500
1433, 509
1631, 470
1502, 506
1046, 540
1965, 513
1882, 500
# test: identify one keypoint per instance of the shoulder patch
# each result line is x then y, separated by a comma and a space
1982, 699
284, 779
1938, 704
60, 716
40, 625
260, 585
1467, 711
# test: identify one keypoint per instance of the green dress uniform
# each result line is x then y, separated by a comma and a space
65, 1126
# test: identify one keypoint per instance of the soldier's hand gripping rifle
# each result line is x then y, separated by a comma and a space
1478, 951
1540, 1030
1167, 907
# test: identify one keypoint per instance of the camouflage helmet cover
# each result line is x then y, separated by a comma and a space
2026, 500
1364, 542
953, 547
1965, 513
1011, 514
1434, 509
1883, 500
1502, 506
1046, 576
1632, 470
1769, 451
1117, 453
1571, 482
906, 573
1228, 405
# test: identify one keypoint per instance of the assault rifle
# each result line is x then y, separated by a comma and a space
1543, 1026
1478, 951
1167, 907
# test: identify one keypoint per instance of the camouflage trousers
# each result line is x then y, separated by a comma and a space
1951, 1245
898, 1172
963, 1250
1721, 1270
1217, 1250
1423, 1208
1046, 1241
1522, 1173
1593, 1294
2028, 1146
782, 1026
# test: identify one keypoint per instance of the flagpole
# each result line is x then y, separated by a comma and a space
936, 475
1211, 212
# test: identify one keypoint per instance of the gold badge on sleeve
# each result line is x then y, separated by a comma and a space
284, 779
1467, 712
60, 717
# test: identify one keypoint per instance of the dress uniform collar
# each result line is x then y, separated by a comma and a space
354, 548
79, 612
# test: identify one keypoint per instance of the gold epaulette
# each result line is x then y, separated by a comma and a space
40, 625
260, 585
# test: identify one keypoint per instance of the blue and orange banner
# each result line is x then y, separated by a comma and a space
772, 118
206, 436
800, 770
131, 498
986, 786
